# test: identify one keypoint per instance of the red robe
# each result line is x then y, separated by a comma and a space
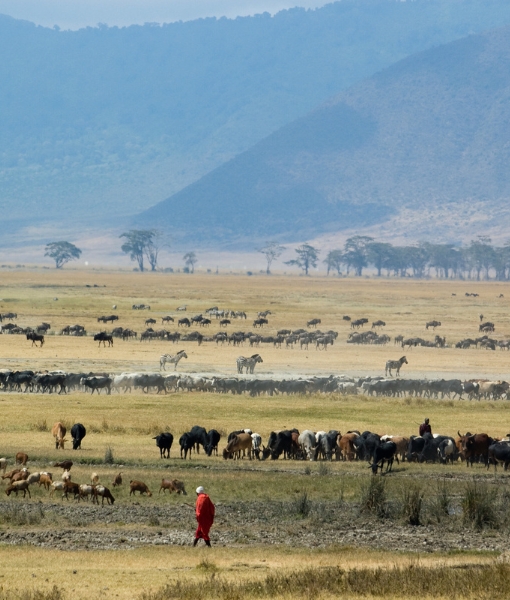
204, 510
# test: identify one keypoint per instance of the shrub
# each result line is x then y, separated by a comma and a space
108, 456
440, 507
412, 502
302, 505
479, 505
324, 469
373, 496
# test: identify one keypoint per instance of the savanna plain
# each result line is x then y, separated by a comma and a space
283, 528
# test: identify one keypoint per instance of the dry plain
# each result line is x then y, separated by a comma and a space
254, 540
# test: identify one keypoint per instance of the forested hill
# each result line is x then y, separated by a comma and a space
104, 122
428, 136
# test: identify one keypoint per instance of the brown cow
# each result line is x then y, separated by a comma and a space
401, 442
21, 458
58, 431
475, 446
345, 445
240, 442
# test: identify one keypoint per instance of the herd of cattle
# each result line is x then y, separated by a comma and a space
353, 445
63, 382
291, 444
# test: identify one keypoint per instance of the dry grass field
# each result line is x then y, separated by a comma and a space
125, 423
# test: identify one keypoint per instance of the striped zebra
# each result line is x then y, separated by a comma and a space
395, 365
249, 363
168, 358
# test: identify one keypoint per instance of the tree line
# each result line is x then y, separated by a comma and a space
478, 260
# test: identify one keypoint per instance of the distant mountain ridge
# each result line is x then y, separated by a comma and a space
428, 134
99, 124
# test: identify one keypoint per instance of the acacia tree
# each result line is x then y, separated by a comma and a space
190, 259
62, 253
334, 260
141, 244
307, 258
272, 251
356, 251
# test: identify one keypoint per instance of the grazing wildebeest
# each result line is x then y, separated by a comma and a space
150, 321
35, 337
164, 442
172, 359
249, 363
432, 324
313, 323
224, 322
78, 432
260, 322
395, 365
378, 324
185, 322
108, 318
167, 319
104, 337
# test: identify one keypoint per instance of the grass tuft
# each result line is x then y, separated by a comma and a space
411, 503
478, 505
374, 497
108, 456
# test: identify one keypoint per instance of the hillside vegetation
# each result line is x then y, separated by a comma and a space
104, 122
429, 133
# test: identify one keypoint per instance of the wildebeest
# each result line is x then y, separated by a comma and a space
110, 318
35, 337
78, 432
395, 365
432, 324
104, 337
185, 322
313, 323
164, 442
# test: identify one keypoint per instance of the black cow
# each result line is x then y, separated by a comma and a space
384, 452
415, 448
49, 383
199, 436
98, 383
365, 445
186, 443
213, 439
499, 452
17, 378
78, 432
164, 442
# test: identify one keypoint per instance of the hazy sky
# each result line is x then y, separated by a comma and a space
73, 14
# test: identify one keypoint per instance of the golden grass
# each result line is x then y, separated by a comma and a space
127, 574
127, 422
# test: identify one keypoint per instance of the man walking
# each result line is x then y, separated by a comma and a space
204, 510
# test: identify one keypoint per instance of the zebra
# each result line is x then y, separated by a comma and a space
168, 358
395, 364
249, 363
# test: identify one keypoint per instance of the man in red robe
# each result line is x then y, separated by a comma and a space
204, 510
425, 428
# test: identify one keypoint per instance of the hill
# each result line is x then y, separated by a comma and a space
427, 136
101, 123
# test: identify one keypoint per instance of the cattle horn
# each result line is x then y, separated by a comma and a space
459, 434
